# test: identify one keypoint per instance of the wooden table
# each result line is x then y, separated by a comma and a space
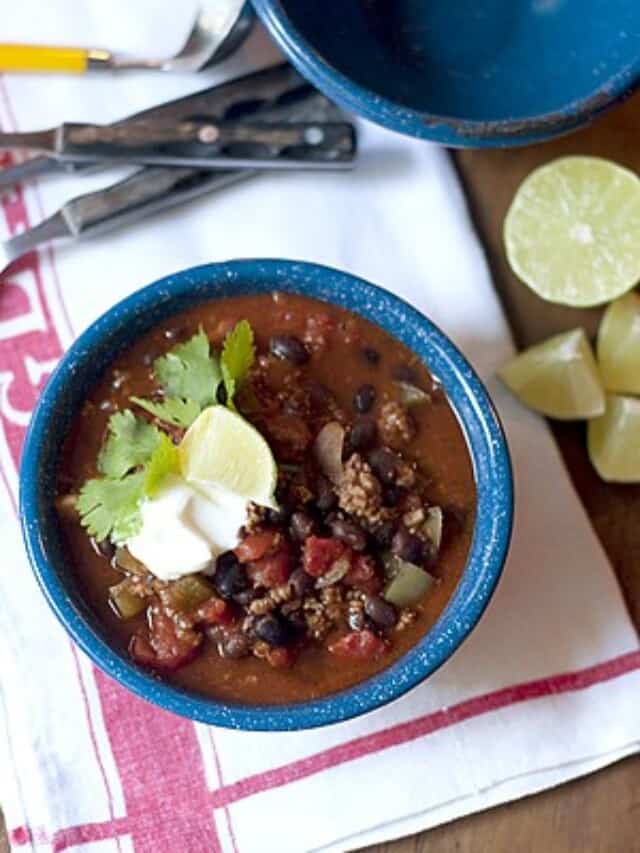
600, 813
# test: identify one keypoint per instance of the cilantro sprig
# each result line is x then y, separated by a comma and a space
190, 375
130, 442
238, 354
136, 456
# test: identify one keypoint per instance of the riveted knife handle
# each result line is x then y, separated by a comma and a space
201, 142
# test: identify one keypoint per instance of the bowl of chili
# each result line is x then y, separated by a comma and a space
341, 591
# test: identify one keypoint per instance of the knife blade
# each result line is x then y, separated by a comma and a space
200, 142
249, 95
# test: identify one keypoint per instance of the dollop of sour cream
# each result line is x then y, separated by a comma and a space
185, 525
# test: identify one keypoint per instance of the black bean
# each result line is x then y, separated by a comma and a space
230, 577
273, 629
393, 495
325, 496
383, 534
364, 398
235, 645
372, 355
301, 583
404, 373
407, 546
221, 394
349, 533
380, 611
384, 464
290, 348
363, 434
302, 525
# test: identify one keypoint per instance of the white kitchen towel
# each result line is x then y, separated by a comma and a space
544, 690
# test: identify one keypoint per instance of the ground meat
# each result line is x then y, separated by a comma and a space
405, 618
360, 492
276, 596
395, 424
320, 617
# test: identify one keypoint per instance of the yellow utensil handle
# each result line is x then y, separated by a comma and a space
31, 57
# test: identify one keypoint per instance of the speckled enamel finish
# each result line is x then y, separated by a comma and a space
122, 324
465, 73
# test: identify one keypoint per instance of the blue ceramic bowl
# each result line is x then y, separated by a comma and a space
118, 328
464, 72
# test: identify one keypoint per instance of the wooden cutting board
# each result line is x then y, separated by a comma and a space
598, 813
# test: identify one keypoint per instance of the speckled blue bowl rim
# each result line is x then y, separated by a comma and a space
447, 130
94, 350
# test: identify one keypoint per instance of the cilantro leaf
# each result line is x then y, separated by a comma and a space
173, 410
238, 354
229, 387
109, 508
190, 371
130, 442
164, 460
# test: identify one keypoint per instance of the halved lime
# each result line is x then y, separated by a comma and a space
619, 345
572, 232
223, 450
558, 377
613, 440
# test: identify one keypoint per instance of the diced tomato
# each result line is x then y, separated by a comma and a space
256, 545
358, 645
215, 611
166, 646
320, 554
364, 575
272, 570
281, 657
141, 651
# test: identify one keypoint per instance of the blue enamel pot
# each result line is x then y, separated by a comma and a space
479, 73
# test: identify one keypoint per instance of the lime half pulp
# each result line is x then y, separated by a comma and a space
572, 232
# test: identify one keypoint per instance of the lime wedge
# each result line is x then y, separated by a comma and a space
558, 377
619, 345
222, 450
572, 232
613, 440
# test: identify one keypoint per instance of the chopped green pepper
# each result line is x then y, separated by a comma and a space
189, 592
125, 603
409, 584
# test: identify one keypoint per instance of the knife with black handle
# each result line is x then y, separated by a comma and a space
199, 141
245, 97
